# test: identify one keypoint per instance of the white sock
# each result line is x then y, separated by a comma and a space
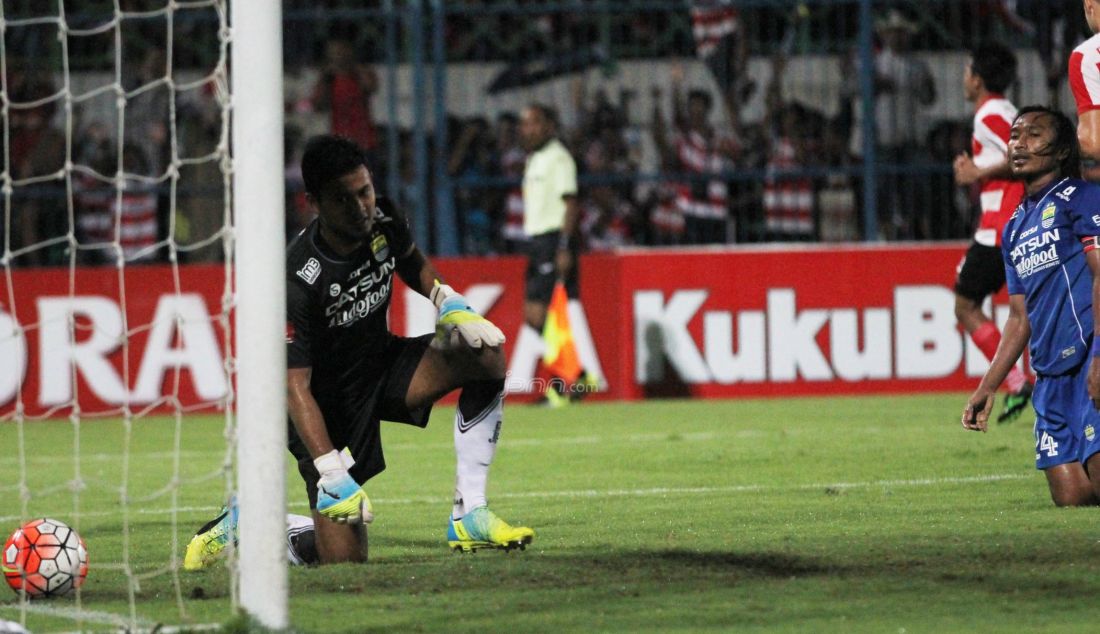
475, 445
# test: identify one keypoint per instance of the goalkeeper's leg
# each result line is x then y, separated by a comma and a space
338, 543
476, 431
478, 421
211, 540
301, 541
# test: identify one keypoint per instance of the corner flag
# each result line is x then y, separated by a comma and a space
560, 357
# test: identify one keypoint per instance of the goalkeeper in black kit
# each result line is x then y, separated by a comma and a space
346, 372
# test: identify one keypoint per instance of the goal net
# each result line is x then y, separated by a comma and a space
122, 399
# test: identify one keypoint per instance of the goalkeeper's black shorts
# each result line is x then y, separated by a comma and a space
352, 418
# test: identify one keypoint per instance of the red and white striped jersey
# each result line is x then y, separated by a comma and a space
94, 218
711, 20
100, 212
788, 202
137, 222
998, 198
666, 217
1084, 74
701, 198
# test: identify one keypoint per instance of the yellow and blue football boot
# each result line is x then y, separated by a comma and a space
210, 541
481, 528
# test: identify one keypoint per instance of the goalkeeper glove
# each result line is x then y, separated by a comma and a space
458, 322
339, 497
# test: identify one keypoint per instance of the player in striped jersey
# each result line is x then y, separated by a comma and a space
1052, 265
1084, 81
989, 73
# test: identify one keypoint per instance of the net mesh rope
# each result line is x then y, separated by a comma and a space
164, 498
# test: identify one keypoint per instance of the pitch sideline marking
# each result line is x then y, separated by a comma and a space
78, 614
590, 493
93, 616
409, 446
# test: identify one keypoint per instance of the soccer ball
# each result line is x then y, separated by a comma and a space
45, 558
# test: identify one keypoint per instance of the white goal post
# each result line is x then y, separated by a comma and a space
256, 72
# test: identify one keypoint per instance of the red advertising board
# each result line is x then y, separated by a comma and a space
62, 340
752, 322
739, 321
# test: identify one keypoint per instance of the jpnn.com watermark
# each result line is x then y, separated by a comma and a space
539, 385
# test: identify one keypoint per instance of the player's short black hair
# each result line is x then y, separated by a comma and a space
1065, 139
995, 63
328, 157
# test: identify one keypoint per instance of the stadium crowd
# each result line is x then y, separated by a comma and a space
693, 169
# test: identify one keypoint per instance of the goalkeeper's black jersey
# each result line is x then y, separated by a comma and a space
336, 306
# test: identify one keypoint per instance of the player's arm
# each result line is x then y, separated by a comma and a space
967, 173
1088, 134
1092, 257
305, 413
563, 260
414, 269
565, 181
339, 496
572, 216
417, 272
1088, 137
1014, 337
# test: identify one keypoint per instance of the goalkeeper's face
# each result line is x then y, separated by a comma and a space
346, 205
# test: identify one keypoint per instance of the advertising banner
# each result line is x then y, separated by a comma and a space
704, 323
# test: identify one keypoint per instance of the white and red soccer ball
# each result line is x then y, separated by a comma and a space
45, 558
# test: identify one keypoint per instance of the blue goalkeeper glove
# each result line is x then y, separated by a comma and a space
459, 323
339, 497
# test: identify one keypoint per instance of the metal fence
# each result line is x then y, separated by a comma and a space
789, 154
797, 139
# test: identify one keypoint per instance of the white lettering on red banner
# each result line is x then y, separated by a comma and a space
707, 323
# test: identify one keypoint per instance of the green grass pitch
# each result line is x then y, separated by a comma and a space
842, 514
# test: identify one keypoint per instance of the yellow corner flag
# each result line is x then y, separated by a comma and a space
560, 357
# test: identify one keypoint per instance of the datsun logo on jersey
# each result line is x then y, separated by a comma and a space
362, 297
1036, 253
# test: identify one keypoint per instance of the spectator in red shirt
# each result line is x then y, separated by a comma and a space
345, 90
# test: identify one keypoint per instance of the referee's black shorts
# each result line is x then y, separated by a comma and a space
542, 272
981, 272
355, 425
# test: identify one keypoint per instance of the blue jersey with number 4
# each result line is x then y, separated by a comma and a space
1044, 246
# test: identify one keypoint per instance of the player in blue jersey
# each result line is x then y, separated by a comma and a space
1052, 265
